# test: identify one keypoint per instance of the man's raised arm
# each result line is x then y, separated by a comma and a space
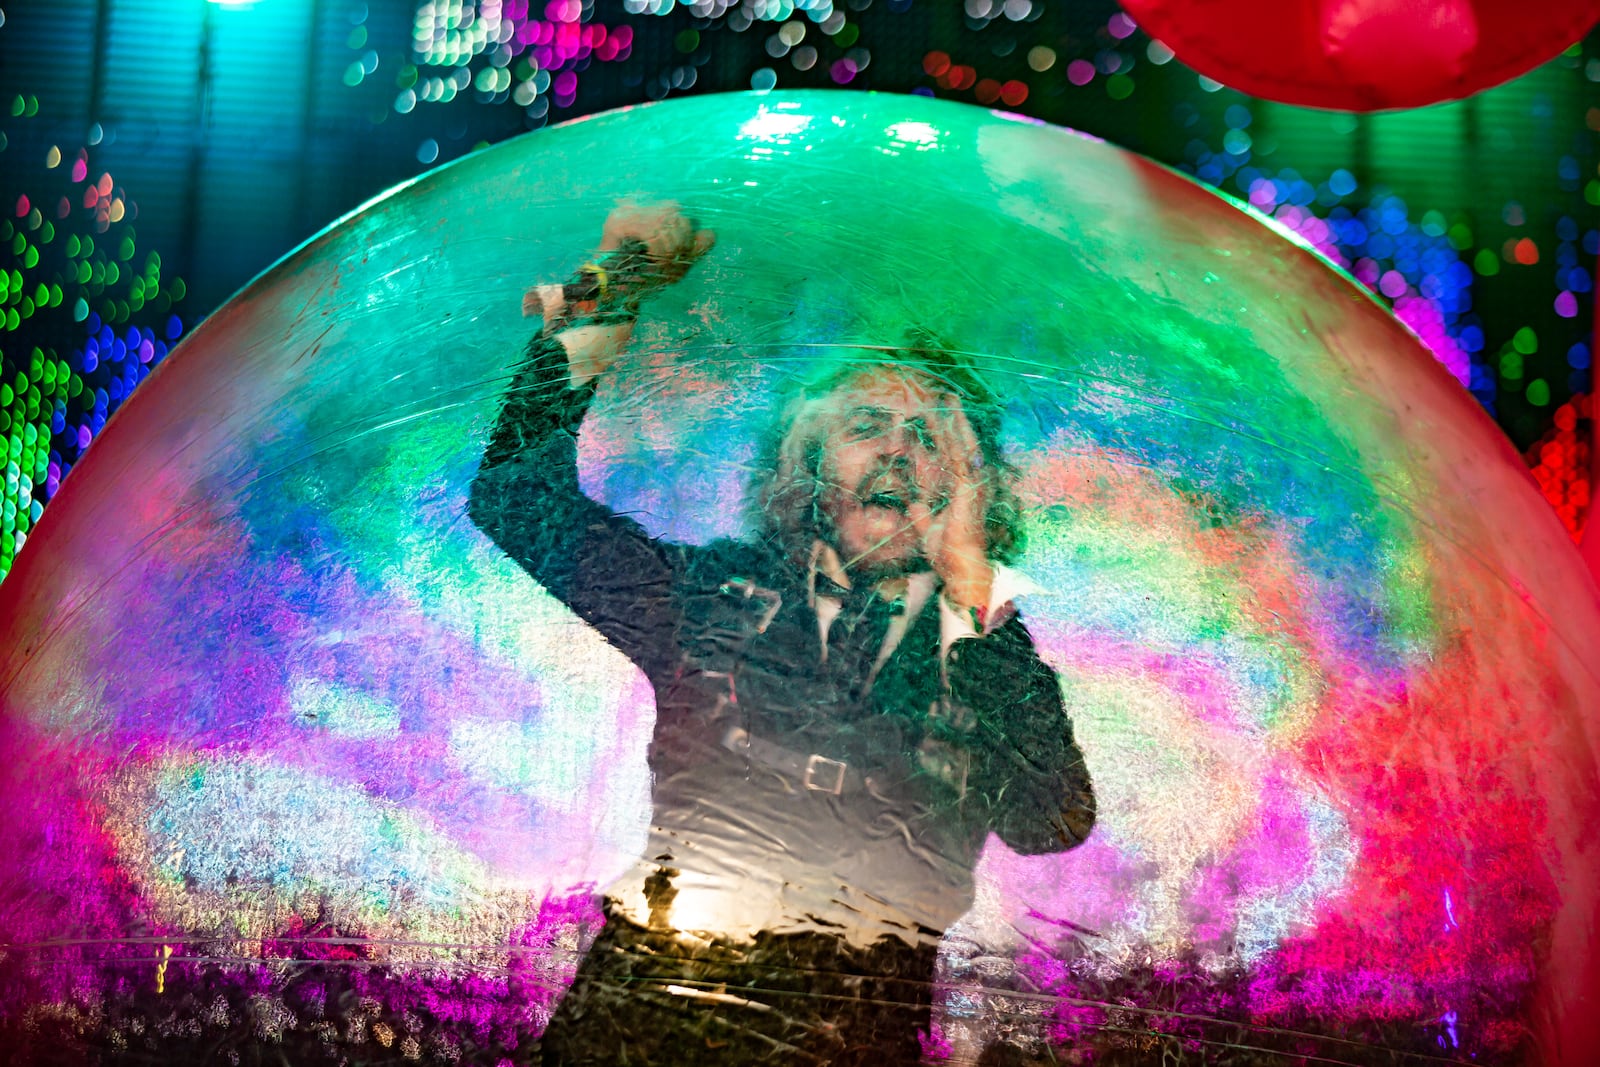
526, 496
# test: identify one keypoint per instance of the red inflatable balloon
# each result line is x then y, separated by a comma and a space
1364, 55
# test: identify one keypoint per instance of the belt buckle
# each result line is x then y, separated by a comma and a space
812, 763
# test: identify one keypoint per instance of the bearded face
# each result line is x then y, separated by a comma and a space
880, 456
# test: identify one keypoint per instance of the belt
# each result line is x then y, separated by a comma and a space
816, 772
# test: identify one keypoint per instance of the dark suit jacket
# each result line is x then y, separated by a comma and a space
939, 754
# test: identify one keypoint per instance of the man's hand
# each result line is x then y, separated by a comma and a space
643, 246
950, 519
671, 240
670, 243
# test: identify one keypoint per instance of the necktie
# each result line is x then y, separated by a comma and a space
856, 637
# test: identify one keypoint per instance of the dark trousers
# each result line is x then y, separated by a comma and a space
658, 998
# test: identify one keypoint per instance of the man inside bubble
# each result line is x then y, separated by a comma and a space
847, 702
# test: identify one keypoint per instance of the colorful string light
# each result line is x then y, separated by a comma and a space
76, 270
502, 49
1561, 461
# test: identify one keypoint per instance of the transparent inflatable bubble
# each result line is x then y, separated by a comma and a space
819, 578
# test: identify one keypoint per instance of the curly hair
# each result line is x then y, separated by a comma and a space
787, 490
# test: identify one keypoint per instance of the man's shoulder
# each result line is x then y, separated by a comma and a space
728, 558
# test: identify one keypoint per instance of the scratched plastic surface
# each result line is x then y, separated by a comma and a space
297, 761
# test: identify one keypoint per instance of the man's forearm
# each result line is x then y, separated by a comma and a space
1008, 715
540, 402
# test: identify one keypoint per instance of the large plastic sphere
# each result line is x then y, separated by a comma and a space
1365, 55
312, 751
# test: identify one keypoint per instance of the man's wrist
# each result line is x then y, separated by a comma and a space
971, 589
959, 620
603, 292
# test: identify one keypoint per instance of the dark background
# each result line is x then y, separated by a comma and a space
157, 154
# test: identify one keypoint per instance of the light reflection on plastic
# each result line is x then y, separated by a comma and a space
774, 124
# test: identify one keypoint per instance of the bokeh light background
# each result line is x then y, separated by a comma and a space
275, 698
